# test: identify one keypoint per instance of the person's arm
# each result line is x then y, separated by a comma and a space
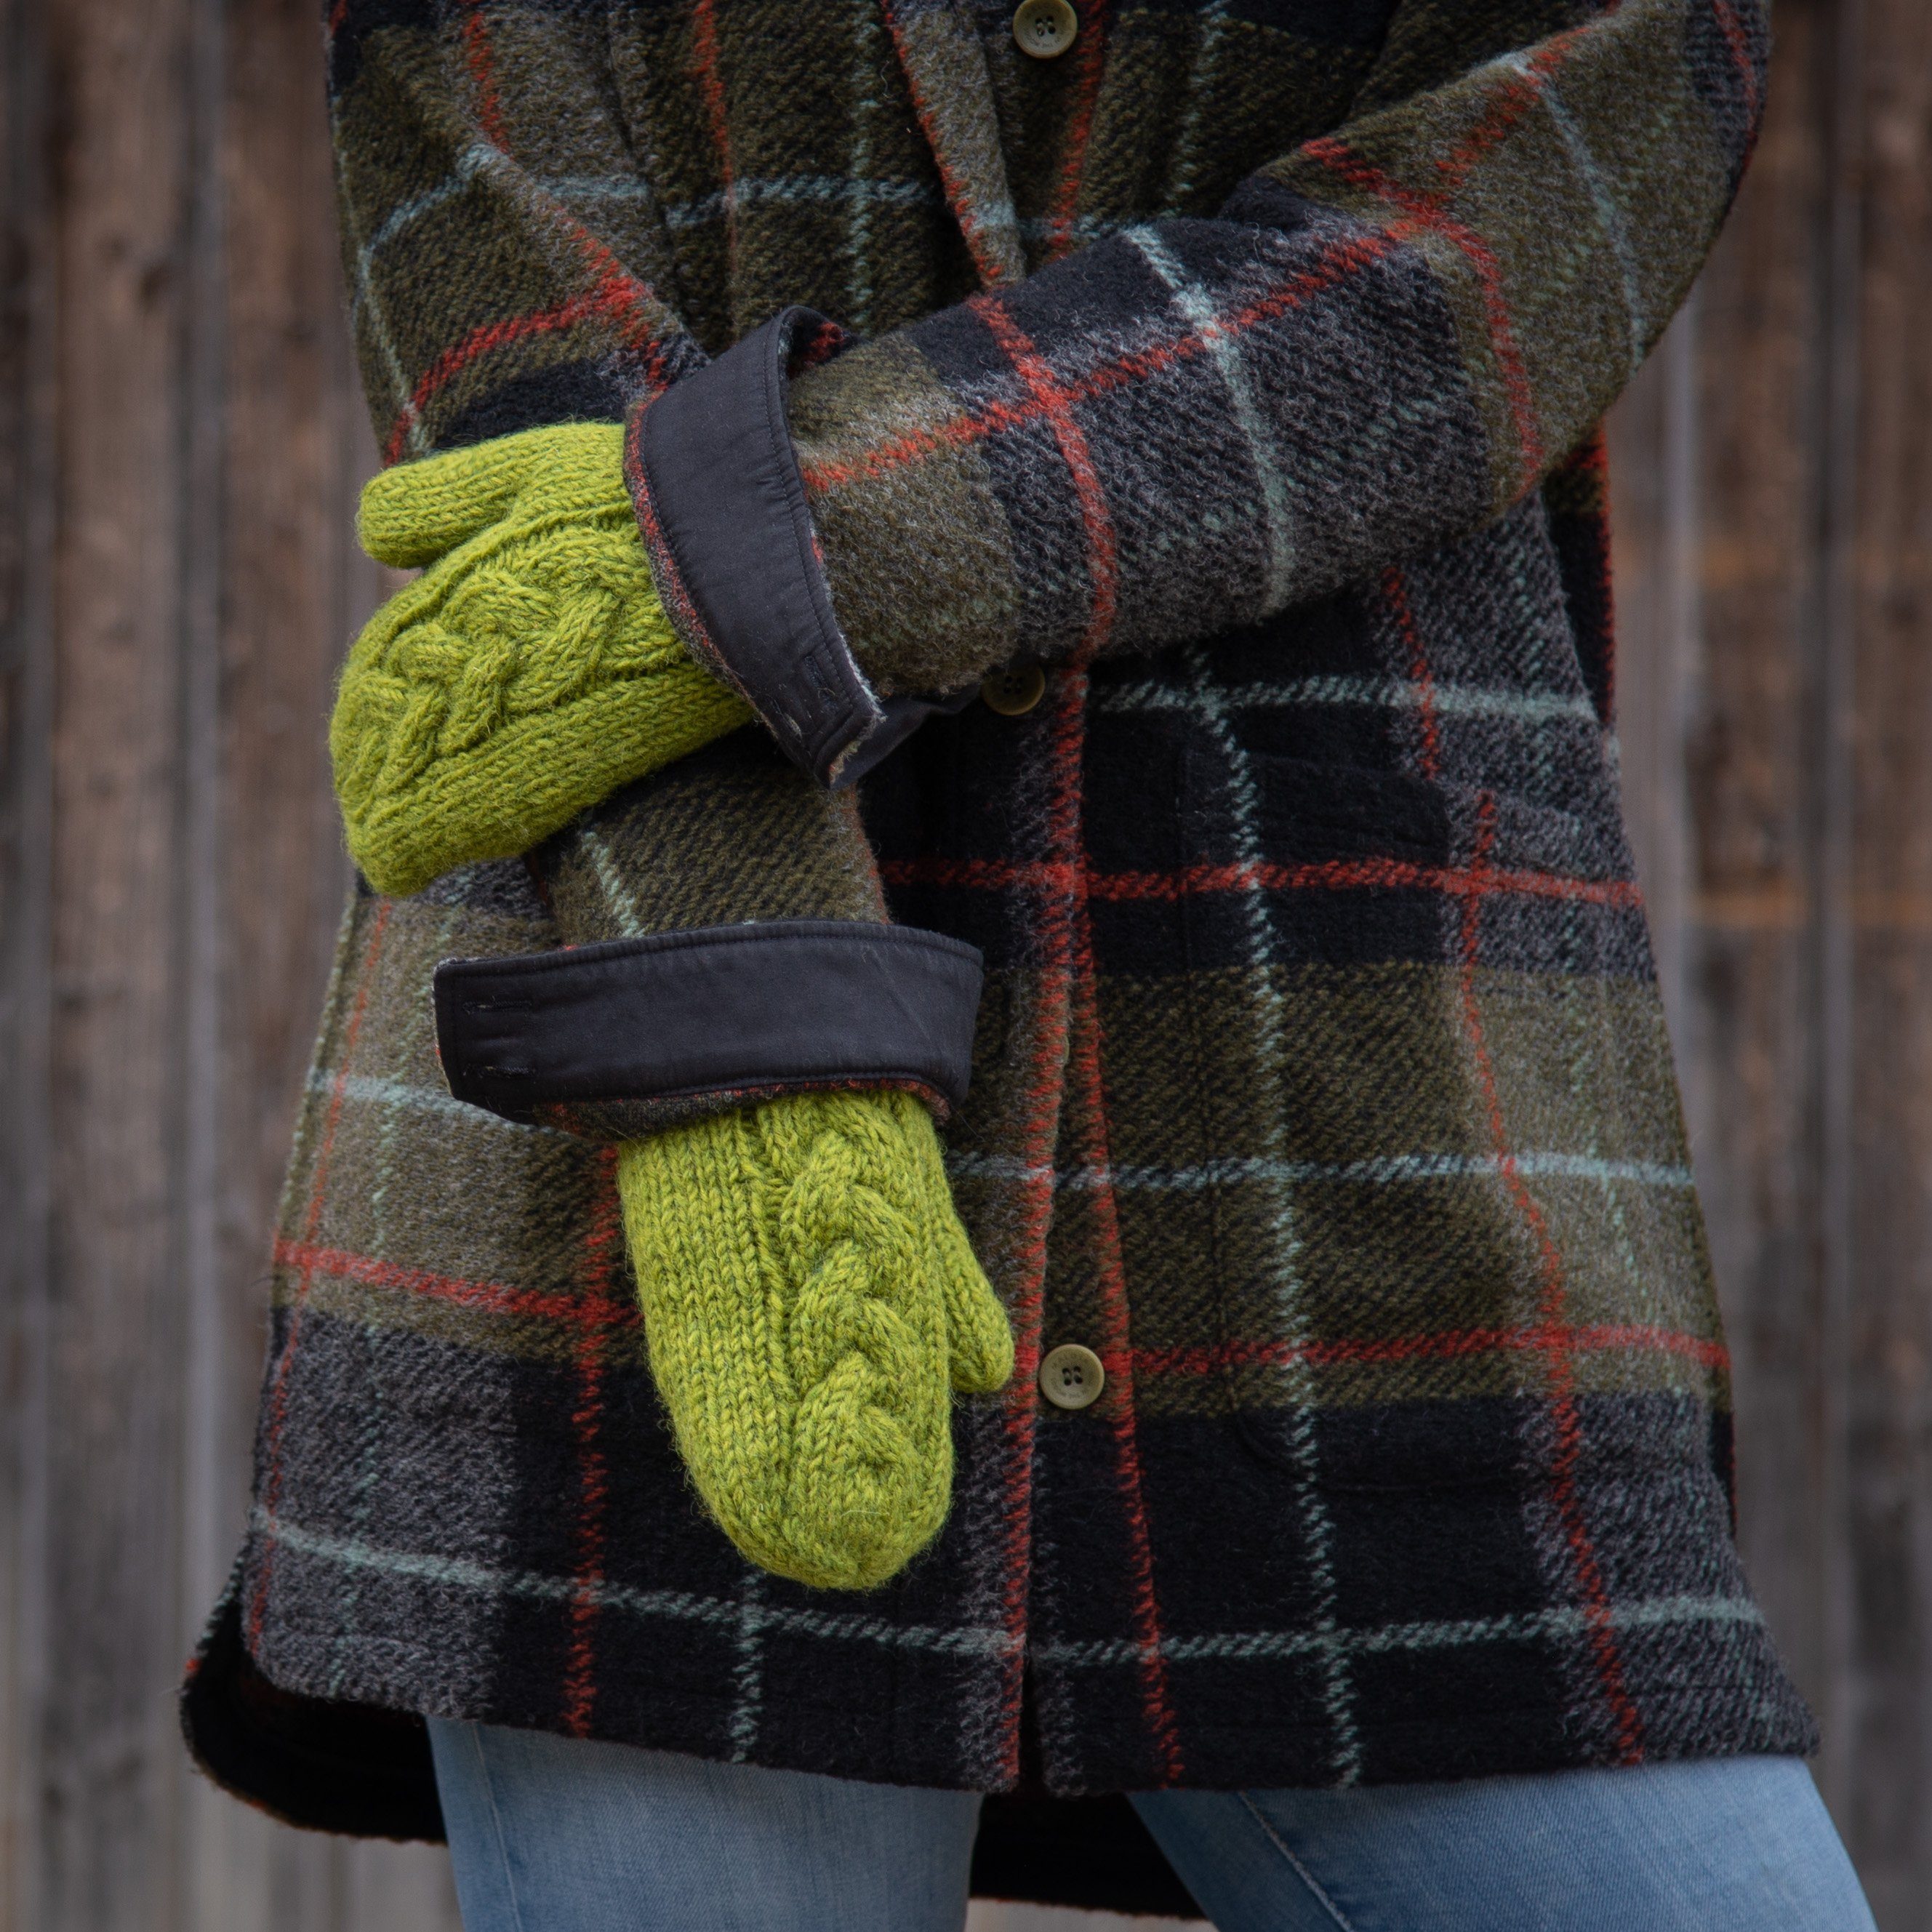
510, 272
1385, 338
710, 1010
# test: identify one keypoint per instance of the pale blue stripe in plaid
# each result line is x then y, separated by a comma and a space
682, 1605
1557, 1624
1379, 1170
1446, 701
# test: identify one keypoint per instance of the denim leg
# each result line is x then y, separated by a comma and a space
1714, 1845
549, 1834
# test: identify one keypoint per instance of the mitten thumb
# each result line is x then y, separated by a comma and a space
417, 512
979, 1338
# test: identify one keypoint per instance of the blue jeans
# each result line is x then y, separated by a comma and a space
552, 1834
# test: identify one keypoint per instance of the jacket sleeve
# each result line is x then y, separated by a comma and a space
508, 269
1384, 339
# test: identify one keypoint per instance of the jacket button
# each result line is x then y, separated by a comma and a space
1071, 1376
1045, 28
1014, 691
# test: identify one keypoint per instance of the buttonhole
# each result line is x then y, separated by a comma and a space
821, 683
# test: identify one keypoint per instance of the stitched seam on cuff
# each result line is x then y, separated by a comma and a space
848, 732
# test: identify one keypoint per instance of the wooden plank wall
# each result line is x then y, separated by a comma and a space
180, 442
179, 450
1775, 570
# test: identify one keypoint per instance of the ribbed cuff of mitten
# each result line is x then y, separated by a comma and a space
720, 504
625, 1039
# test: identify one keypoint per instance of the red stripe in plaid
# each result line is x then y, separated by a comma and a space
613, 297
1516, 92
1067, 1042
1087, 1087
1475, 883
565, 1311
1395, 589
571, 1313
1455, 1345
1560, 1369
1732, 29
1344, 258
611, 274
1091, 61
600, 1256
483, 72
711, 86
278, 1395
1096, 521
1117, 1352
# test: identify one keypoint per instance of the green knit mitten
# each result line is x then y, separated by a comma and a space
810, 1301
527, 673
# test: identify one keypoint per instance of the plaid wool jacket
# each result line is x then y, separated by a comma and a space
1232, 380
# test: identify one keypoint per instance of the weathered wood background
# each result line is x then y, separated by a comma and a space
180, 443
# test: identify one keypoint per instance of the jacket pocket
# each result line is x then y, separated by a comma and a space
1363, 1242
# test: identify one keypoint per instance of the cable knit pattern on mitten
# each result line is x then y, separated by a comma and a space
527, 674
810, 1300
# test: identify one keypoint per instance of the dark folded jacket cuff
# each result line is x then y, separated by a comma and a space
721, 508
627, 1038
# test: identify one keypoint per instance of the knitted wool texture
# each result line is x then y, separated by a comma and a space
527, 673
809, 1293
